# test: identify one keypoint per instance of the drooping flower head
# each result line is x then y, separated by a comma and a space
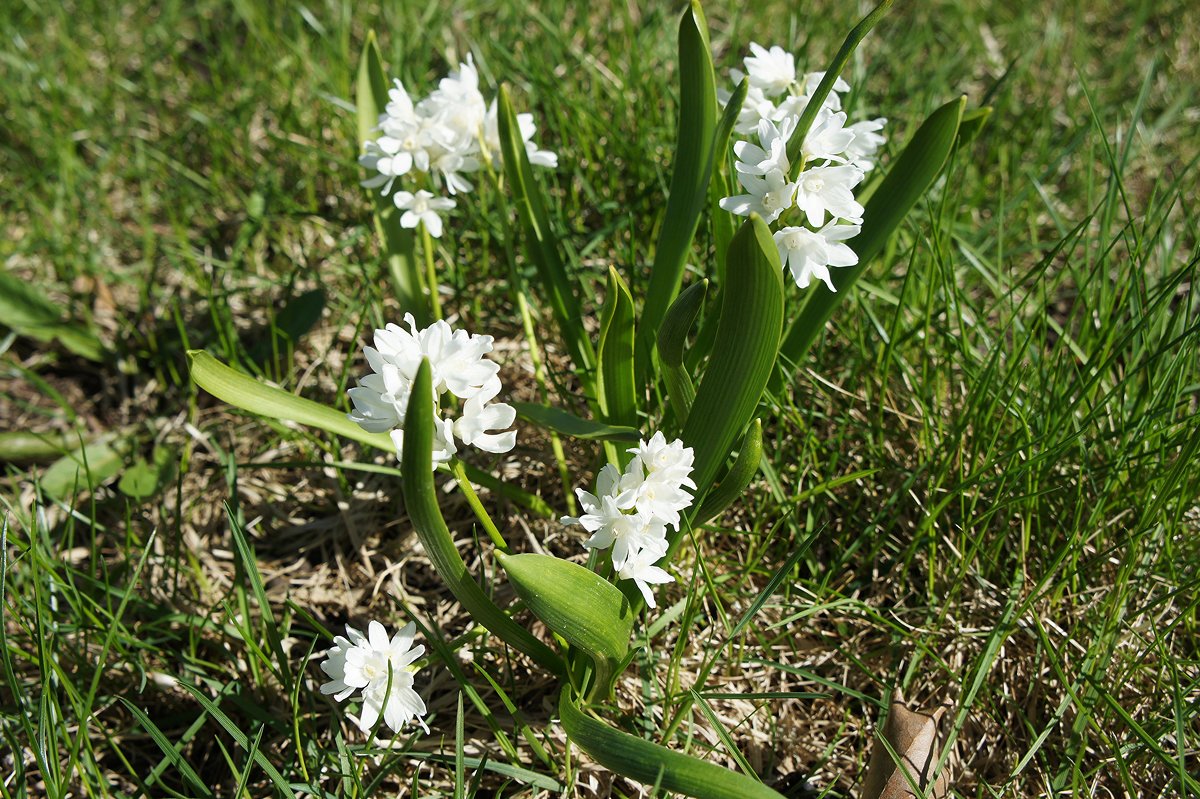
458, 366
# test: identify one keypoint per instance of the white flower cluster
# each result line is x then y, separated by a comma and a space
458, 366
445, 136
835, 160
632, 510
381, 668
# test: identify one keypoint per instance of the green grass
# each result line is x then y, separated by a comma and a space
1016, 385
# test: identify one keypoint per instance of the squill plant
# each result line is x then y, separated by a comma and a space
744, 343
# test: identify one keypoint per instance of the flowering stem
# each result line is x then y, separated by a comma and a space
460, 476
435, 304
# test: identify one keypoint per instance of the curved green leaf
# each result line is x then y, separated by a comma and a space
539, 237
739, 476
652, 764
677, 324
371, 89
691, 171
909, 178
578, 604
672, 337
249, 394
568, 424
747, 341
25, 309
832, 72
720, 185
420, 500
243, 391
614, 386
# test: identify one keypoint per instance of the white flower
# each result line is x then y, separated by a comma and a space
527, 127
768, 196
381, 668
422, 207
828, 137
773, 71
809, 253
457, 365
867, 142
829, 189
631, 510
813, 79
641, 569
755, 108
768, 156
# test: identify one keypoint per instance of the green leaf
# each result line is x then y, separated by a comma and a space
245, 392
677, 324
84, 469
25, 309
734, 484
747, 341
18, 446
173, 755
399, 243
832, 72
691, 173
540, 243
721, 186
249, 394
578, 604
371, 90
568, 424
145, 478
672, 337
651, 764
298, 317
909, 178
614, 385
420, 500
973, 122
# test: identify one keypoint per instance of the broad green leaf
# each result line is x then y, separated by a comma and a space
832, 72
18, 446
568, 424
84, 469
420, 500
245, 392
720, 185
371, 90
735, 481
298, 317
743, 354
672, 337
614, 385
146, 478
677, 324
651, 764
399, 244
25, 309
540, 243
909, 178
690, 175
578, 604
249, 394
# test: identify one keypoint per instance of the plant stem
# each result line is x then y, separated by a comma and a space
435, 304
460, 476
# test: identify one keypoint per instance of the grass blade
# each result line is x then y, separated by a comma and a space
568, 424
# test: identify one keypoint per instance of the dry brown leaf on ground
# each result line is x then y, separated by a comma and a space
913, 740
